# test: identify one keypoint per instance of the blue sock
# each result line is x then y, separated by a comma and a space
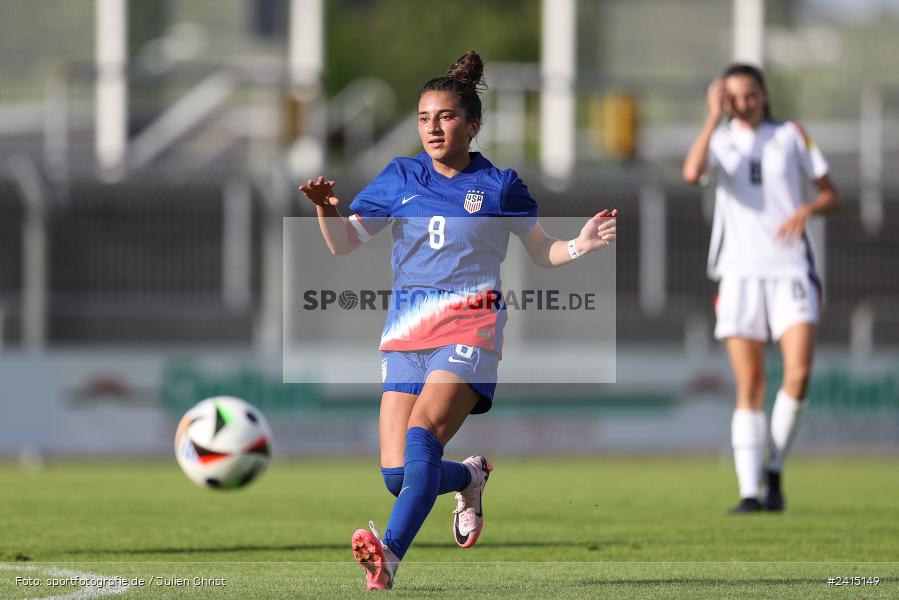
454, 477
393, 479
421, 482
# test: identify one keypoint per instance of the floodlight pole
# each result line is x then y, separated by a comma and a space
34, 253
870, 158
275, 298
237, 243
111, 102
653, 246
749, 31
306, 60
558, 67
305, 159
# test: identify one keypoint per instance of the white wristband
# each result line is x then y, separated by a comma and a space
573, 251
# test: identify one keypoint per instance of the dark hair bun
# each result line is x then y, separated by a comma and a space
469, 69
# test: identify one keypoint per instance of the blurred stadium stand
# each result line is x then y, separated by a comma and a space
149, 152
144, 260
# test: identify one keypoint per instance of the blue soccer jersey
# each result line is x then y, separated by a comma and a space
450, 237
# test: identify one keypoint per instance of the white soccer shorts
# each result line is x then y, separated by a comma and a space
763, 309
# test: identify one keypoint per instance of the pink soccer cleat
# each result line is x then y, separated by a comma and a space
379, 562
468, 518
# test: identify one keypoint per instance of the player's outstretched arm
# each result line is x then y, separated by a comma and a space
697, 157
334, 226
599, 231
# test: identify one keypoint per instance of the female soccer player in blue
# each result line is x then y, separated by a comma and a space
439, 355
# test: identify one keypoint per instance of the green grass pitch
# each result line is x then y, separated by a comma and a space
601, 527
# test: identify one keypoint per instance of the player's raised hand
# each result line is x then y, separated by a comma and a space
599, 231
320, 192
716, 99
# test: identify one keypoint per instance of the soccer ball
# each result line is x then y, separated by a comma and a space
223, 443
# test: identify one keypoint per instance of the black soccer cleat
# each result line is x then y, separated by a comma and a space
746, 506
774, 499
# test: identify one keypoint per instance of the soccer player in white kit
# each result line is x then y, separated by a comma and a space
763, 259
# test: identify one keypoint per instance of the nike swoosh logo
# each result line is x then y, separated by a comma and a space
409, 199
456, 360
403, 490
480, 511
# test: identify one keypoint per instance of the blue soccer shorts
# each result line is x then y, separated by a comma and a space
407, 371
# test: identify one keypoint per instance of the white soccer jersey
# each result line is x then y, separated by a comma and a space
760, 177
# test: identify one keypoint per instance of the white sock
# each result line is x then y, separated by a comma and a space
747, 434
784, 420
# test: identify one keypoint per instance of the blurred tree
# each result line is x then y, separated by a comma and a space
406, 42
37, 36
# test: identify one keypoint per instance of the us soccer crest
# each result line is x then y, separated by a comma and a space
473, 200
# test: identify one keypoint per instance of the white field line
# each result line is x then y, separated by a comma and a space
86, 592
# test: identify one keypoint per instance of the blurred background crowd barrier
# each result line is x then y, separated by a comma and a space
150, 150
